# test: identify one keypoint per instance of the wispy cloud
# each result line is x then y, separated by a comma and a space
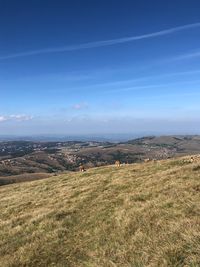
186, 56
80, 106
16, 117
103, 43
141, 79
3, 118
160, 86
21, 117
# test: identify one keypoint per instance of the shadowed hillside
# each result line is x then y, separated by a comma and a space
137, 215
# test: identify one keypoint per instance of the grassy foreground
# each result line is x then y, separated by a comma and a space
133, 216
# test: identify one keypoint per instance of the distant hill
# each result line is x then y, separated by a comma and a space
25, 160
186, 144
171, 140
136, 215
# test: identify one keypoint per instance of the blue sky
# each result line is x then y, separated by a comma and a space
94, 67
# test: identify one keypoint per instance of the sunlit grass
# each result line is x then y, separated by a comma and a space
137, 215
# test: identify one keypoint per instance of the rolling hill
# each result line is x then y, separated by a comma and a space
25, 160
134, 216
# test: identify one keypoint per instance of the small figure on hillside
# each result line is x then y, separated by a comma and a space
82, 168
117, 163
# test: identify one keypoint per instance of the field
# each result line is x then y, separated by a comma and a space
138, 215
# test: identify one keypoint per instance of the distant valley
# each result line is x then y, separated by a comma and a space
31, 160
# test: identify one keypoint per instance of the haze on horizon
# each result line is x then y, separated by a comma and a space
99, 67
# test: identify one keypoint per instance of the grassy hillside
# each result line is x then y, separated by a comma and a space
137, 215
25, 177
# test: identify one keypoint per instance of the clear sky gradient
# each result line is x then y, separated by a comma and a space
96, 67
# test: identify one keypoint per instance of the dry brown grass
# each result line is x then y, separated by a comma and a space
24, 177
133, 216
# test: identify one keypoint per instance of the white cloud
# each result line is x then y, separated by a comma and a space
2, 118
103, 43
15, 117
21, 117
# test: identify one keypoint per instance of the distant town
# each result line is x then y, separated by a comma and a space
28, 160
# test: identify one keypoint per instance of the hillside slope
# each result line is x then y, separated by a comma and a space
23, 160
133, 216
